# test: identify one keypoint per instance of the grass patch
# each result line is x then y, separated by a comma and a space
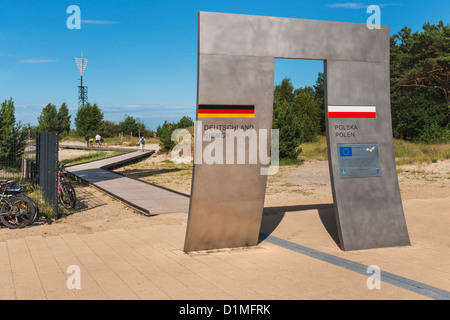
411, 152
289, 162
315, 150
47, 210
405, 152
92, 156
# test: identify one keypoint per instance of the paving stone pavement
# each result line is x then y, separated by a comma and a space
148, 263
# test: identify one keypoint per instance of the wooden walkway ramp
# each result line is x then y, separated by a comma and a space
145, 197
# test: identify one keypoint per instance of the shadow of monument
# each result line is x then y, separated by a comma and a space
272, 217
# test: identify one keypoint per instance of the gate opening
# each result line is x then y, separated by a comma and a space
299, 94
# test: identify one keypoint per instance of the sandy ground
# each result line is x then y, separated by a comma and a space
293, 185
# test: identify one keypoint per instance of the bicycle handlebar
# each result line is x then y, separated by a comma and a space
7, 182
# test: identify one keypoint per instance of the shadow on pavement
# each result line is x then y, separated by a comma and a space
272, 216
86, 200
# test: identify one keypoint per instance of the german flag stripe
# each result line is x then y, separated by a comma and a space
226, 107
226, 115
226, 111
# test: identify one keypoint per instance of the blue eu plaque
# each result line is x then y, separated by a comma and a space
358, 160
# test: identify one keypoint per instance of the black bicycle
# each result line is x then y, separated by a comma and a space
16, 209
66, 193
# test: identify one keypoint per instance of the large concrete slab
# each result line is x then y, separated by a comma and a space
369, 209
227, 200
260, 36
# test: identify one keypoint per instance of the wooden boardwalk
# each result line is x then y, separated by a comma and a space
145, 197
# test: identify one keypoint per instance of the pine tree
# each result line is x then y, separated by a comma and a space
63, 119
89, 119
48, 119
11, 138
420, 87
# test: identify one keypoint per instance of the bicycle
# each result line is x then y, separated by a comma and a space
16, 190
16, 210
66, 193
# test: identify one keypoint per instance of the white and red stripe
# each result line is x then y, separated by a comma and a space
352, 112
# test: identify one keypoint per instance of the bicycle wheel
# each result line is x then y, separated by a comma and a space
67, 196
72, 195
19, 213
36, 208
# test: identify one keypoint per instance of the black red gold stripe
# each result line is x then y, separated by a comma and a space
226, 111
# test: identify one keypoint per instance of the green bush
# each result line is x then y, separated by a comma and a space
296, 114
164, 132
434, 133
109, 129
89, 119
132, 126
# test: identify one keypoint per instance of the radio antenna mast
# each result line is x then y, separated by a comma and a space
82, 90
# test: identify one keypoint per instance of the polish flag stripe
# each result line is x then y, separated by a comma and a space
352, 112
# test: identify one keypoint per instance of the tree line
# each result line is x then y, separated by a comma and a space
420, 83
89, 121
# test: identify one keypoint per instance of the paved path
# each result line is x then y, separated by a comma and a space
145, 197
148, 263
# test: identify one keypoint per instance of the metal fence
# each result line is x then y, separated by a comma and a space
34, 165
18, 160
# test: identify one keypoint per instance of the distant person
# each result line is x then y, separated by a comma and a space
97, 139
142, 143
87, 140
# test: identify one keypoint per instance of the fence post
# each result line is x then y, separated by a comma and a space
24, 168
56, 148
48, 168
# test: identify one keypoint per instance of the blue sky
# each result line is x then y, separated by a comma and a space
143, 53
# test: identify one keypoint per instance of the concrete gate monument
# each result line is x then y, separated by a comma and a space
235, 91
